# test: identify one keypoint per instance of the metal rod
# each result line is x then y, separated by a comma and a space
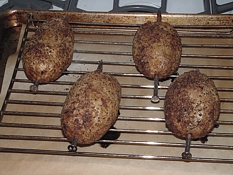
112, 155
227, 46
222, 89
73, 146
100, 65
23, 125
34, 87
17, 64
186, 154
122, 142
155, 98
132, 64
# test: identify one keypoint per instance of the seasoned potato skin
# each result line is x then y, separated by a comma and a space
49, 51
157, 50
91, 107
192, 105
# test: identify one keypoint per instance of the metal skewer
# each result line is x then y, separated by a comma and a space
155, 98
186, 154
73, 147
100, 65
159, 17
34, 87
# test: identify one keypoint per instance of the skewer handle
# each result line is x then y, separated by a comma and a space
73, 147
155, 98
186, 154
34, 87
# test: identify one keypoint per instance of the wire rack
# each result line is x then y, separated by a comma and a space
30, 122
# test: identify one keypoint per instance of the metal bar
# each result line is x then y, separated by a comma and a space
76, 24
103, 52
145, 119
206, 66
103, 42
149, 108
222, 89
45, 103
105, 29
126, 118
122, 96
131, 131
166, 144
112, 155
33, 126
17, 62
130, 44
26, 102
124, 32
97, 32
219, 46
220, 57
226, 111
21, 91
105, 63
220, 122
38, 114
122, 142
132, 64
154, 119
202, 27
33, 138
141, 75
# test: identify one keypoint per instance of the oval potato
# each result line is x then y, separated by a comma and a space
157, 50
91, 107
49, 52
192, 105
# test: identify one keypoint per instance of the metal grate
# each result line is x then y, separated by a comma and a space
30, 123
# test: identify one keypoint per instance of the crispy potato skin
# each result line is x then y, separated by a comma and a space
157, 50
91, 107
49, 52
192, 105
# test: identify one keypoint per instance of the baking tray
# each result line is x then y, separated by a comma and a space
30, 123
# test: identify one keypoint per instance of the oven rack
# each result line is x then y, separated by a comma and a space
30, 122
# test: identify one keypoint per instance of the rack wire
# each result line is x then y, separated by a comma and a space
30, 123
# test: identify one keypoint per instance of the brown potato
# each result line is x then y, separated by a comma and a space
192, 105
91, 107
49, 52
157, 50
